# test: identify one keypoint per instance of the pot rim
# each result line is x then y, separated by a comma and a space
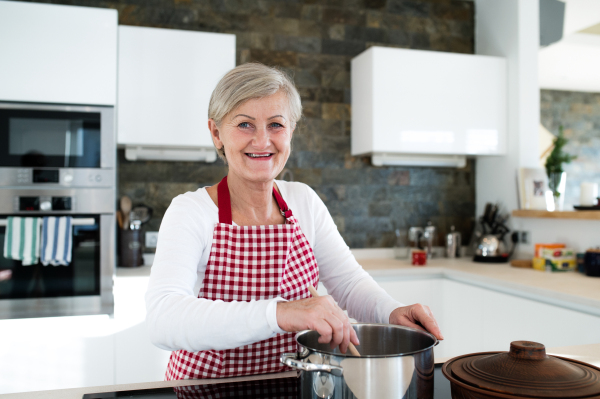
348, 354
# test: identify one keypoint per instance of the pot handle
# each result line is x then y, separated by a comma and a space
291, 360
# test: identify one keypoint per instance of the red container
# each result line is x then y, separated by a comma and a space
419, 257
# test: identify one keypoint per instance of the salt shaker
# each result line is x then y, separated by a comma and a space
453, 242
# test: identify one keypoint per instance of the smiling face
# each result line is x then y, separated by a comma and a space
257, 137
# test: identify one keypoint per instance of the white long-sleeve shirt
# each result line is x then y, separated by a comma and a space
178, 319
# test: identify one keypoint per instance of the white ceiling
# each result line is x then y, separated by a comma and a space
573, 63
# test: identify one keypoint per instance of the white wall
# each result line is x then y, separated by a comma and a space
510, 28
577, 234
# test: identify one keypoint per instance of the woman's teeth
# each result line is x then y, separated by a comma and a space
258, 155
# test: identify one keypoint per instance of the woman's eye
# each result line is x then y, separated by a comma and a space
244, 125
276, 125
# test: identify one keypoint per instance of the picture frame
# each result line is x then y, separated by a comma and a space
533, 184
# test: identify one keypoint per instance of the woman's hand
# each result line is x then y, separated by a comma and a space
416, 316
320, 314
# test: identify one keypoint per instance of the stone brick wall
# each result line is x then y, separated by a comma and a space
314, 41
579, 114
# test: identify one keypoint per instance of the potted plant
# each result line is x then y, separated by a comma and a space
557, 177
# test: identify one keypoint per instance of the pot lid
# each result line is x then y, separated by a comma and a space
525, 370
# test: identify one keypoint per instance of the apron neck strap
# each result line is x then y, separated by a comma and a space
283, 207
224, 201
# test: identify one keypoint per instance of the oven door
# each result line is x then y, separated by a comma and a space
79, 288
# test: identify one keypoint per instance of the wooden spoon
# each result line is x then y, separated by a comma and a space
351, 346
125, 208
120, 218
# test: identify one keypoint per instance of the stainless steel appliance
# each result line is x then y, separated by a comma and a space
395, 362
59, 160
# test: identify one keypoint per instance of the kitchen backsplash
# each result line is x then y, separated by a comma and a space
315, 41
579, 114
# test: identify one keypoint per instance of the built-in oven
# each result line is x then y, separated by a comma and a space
59, 160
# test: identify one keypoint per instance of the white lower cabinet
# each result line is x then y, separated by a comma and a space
474, 319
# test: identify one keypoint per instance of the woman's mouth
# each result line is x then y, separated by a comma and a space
255, 155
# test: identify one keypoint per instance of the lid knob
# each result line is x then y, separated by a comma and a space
527, 350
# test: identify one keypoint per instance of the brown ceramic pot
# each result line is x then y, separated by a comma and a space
523, 372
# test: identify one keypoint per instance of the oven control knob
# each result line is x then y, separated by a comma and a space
45, 206
98, 178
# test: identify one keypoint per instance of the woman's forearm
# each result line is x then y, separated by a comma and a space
178, 321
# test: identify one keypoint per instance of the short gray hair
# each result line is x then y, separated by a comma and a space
246, 82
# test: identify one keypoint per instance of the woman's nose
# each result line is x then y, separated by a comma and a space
261, 138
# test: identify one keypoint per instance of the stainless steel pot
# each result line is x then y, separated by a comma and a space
396, 362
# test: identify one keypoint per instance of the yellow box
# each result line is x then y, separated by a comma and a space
554, 265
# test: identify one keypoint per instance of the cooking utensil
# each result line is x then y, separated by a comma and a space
125, 208
120, 219
523, 372
351, 346
492, 220
396, 362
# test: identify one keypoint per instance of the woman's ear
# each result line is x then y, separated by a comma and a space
215, 134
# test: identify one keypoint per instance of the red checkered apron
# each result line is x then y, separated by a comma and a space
250, 263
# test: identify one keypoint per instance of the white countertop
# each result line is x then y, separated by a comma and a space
570, 290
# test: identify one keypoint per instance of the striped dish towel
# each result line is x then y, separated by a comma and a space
57, 241
22, 240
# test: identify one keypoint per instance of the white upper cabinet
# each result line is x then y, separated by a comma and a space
58, 54
414, 107
166, 78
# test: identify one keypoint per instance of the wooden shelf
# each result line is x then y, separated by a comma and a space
580, 215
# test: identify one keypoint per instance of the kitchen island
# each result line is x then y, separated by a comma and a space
480, 307
585, 353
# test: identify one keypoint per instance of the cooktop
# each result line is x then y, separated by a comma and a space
279, 388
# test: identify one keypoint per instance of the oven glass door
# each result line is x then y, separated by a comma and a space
80, 277
36, 138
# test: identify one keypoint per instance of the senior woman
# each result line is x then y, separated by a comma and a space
229, 284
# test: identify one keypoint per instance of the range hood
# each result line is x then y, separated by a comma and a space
161, 153
452, 161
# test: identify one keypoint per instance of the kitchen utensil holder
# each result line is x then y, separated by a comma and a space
130, 248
